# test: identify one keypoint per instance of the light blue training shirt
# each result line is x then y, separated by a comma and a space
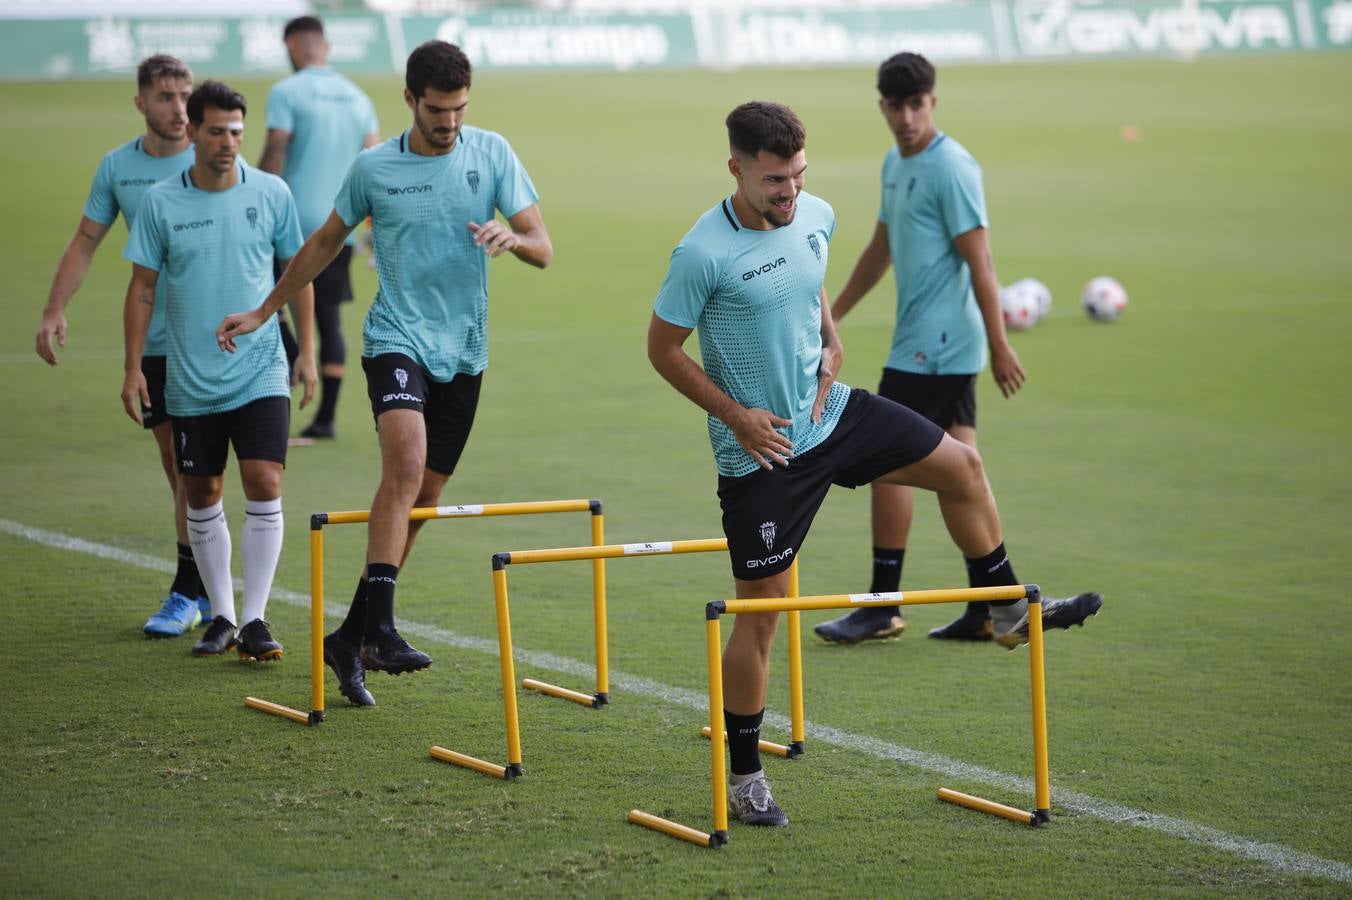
214, 251
432, 303
754, 297
122, 179
928, 200
328, 117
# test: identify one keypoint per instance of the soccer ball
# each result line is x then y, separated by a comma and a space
1022, 303
1104, 299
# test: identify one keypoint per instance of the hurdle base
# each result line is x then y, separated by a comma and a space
711, 840
602, 698
796, 749
509, 772
765, 746
562, 693
285, 712
990, 807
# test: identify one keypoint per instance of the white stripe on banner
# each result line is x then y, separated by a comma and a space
1277, 856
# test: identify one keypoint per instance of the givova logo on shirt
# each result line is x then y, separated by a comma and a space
411, 189
193, 226
761, 270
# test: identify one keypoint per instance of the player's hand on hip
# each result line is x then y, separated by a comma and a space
832, 357
135, 395
53, 326
236, 325
755, 432
494, 238
308, 377
1007, 369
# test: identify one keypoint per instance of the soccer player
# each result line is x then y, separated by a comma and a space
125, 174
932, 230
211, 235
318, 121
749, 275
432, 194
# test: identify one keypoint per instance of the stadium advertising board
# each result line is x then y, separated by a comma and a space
962, 31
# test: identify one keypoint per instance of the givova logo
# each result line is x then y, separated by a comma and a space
193, 226
761, 270
411, 189
1066, 26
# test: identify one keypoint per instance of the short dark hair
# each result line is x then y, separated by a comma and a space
217, 95
161, 65
303, 25
439, 65
759, 125
905, 75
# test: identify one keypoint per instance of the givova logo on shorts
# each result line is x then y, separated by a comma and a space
401, 376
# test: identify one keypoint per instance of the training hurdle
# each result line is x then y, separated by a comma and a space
713, 614
597, 553
419, 514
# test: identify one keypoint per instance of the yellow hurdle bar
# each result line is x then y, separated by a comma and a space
988, 806
277, 709
675, 829
765, 746
469, 762
563, 693
422, 513
598, 535
508, 672
796, 724
713, 614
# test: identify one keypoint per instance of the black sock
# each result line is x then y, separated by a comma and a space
353, 628
744, 741
887, 575
328, 399
992, 570
380, 579
186, 580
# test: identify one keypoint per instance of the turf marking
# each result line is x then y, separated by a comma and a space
1277, 856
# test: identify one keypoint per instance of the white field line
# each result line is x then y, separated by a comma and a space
1277, 856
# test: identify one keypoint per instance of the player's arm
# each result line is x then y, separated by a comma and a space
275, 146
974, 247
868, 271
136, 311
526, 239
833, 354
70, 274
309, 261
369, 140
753, 428
303, 314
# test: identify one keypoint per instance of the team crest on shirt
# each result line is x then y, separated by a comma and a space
472, 177
767, 530
252, 215
815, 245
402, 377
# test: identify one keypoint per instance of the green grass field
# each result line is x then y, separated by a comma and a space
1192, 461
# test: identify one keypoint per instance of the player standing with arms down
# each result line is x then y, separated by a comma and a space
749, 276
432, 194
932, 230
163, 84
212, 235
318, 121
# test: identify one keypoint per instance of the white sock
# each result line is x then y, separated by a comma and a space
210, 540
738, 780
261, 545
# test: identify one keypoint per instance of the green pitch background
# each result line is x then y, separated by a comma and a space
1192, 461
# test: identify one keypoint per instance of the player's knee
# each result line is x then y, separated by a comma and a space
970, 472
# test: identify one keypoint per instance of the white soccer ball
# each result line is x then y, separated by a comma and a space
1104, 299
1022, 303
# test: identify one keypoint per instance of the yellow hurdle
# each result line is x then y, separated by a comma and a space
597, 554
421, 514
714, 650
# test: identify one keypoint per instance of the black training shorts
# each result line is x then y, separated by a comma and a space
153, 368
395, 381
946, 400
258, 430
766, 515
